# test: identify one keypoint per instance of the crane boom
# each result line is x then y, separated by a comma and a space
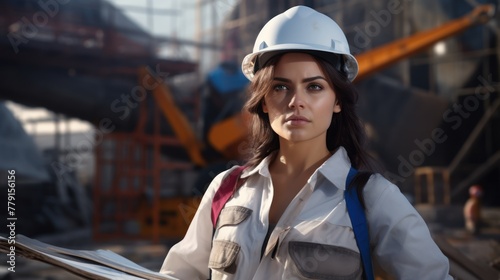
379, 58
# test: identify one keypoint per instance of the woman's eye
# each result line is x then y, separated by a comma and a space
280, 87
315, 87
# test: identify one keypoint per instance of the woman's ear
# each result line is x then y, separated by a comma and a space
336, 107
264, 106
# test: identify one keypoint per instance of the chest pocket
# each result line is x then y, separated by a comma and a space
224, 253
223, 256
233, 215
321, 261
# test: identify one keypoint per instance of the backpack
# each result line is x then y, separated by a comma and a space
355, 208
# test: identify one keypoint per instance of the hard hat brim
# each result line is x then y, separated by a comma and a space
248, 63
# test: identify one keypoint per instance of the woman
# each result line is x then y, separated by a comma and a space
288, 219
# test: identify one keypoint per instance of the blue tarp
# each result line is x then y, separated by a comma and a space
227, 78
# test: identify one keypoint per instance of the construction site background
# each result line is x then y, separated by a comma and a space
111, 113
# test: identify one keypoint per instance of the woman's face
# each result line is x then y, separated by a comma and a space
301, 102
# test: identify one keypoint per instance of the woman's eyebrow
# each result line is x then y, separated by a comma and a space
306, 80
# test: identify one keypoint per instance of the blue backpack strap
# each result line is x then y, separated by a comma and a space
359, 224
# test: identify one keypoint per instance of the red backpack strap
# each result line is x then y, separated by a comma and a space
227, 188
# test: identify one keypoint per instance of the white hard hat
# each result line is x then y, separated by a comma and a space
303, 29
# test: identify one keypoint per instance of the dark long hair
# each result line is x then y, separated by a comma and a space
345, 129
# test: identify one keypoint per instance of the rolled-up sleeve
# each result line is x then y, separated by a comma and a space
188, 259
401, 241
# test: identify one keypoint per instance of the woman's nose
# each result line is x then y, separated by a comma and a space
297, 100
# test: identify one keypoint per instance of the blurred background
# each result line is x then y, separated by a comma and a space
116, 114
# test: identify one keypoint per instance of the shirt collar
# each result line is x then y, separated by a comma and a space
262, 168
334, 169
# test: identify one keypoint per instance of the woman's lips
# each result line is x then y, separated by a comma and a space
297, 119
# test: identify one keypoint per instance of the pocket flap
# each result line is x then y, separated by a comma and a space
321, 261
223, 254
233, 215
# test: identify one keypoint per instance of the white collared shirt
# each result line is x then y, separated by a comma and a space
313, 238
